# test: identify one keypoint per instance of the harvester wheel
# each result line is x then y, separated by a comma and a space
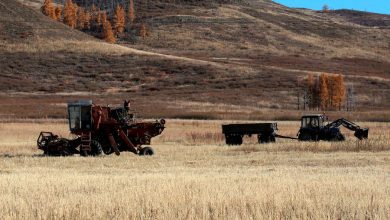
146, 151
108, 150
96, 149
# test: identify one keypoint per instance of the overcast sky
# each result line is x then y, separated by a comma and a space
377, 6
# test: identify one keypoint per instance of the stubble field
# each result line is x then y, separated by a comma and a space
195, 176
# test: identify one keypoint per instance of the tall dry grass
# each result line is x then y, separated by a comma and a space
195, 176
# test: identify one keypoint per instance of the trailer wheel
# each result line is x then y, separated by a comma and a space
146, 151
272, 138
264, 138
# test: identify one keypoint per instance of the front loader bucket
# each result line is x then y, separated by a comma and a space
361, 133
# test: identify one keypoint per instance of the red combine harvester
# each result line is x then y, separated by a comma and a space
101, 130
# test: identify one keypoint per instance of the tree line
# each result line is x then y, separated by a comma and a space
94, 19
324, 92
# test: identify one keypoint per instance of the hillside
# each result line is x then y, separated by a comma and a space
203, 57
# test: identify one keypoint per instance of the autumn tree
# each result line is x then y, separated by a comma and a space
309, 90
98, 22
93, 17
70, 14
81, 18
325, 8
58, 13
119, 19
339, 91
87, 24
48, 9
323, 91
108, 35
103, 18
130, 12
143, 32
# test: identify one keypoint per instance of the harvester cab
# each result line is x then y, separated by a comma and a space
80, 115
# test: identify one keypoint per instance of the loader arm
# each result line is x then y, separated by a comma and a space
360, 133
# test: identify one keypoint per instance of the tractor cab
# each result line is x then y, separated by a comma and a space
80, 115
313, 121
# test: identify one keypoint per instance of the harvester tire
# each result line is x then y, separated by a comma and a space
146, 151
96, 149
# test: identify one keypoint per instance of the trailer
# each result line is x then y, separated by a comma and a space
235, 132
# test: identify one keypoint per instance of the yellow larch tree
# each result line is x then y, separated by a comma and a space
323, 91
130, 12
70, 14
108, 35
48, 9
119, 19
58, 13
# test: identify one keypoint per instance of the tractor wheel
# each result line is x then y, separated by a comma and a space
146, 151
304, 137
96, 149
338, 137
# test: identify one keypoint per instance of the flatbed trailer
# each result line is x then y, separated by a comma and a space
235, 132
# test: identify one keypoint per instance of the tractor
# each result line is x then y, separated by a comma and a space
313, 128
101, 129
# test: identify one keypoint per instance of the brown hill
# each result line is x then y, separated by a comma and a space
202, 58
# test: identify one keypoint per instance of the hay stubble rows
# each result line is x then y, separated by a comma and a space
194, 175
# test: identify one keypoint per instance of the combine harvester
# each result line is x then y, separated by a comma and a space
101, 130
313, 128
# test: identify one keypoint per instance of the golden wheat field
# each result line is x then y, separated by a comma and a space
193, 175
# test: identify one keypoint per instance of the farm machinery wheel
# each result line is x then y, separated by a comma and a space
265, 138
233, 139
304, 136
146, 151
338, 137
96, 149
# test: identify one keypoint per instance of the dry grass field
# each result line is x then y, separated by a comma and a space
195, 176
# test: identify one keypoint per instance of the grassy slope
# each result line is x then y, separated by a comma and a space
251, 64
